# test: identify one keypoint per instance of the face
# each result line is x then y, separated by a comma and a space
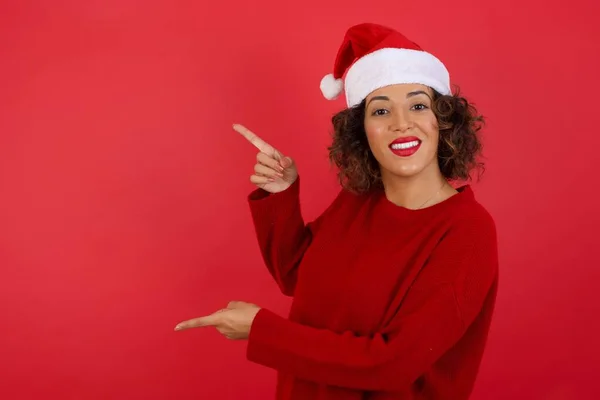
402, 130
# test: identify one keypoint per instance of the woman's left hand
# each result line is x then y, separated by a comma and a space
233, 322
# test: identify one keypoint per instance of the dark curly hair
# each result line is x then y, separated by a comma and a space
458, 150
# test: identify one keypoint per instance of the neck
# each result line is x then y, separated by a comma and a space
420, 191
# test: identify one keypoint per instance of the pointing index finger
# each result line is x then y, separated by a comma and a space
255, 140
209, 320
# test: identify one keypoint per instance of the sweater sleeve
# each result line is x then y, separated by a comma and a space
282, 234
434, 316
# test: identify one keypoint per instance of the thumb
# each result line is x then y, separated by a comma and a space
235, 304
286, 162
239, 304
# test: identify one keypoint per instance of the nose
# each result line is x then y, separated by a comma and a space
401, 120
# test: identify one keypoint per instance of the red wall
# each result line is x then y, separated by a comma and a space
123, 209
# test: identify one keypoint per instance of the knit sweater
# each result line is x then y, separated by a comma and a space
388, 302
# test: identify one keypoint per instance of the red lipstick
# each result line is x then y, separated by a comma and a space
405, 146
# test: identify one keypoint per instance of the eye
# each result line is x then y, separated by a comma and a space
379, 111
419, 107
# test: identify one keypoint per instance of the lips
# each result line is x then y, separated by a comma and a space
405, 146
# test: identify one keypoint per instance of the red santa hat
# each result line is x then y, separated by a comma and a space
373, 56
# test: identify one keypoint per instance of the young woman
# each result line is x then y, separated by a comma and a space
394, 283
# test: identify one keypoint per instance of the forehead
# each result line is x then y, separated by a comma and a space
400, 90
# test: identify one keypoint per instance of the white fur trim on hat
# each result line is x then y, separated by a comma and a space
391, 66
331, 87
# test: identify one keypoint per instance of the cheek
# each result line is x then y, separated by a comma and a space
375, 133
429, 126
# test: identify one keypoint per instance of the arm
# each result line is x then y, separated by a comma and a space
282, 234
432, 319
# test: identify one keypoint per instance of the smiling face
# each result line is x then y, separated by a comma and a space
402, 130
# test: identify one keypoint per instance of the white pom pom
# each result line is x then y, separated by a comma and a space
331, 87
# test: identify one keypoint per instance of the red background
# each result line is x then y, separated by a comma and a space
123, 188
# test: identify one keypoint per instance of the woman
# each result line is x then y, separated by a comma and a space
394, 284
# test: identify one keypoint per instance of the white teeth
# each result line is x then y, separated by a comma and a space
407, 145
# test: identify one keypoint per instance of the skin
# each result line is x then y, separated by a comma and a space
398, 111
412, 182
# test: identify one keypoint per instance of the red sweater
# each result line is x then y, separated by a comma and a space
389, 303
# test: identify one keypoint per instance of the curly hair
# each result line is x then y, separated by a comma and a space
458, 150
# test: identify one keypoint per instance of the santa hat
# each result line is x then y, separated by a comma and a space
373, 56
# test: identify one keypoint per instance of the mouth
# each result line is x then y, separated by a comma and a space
406, 146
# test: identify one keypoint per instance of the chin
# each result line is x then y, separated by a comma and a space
407, 168
406, 172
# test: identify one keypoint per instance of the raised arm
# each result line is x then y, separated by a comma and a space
275, 206
282, 234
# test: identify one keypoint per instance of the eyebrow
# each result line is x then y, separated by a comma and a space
417, 92
408, 95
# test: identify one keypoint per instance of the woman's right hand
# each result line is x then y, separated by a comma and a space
273, 171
